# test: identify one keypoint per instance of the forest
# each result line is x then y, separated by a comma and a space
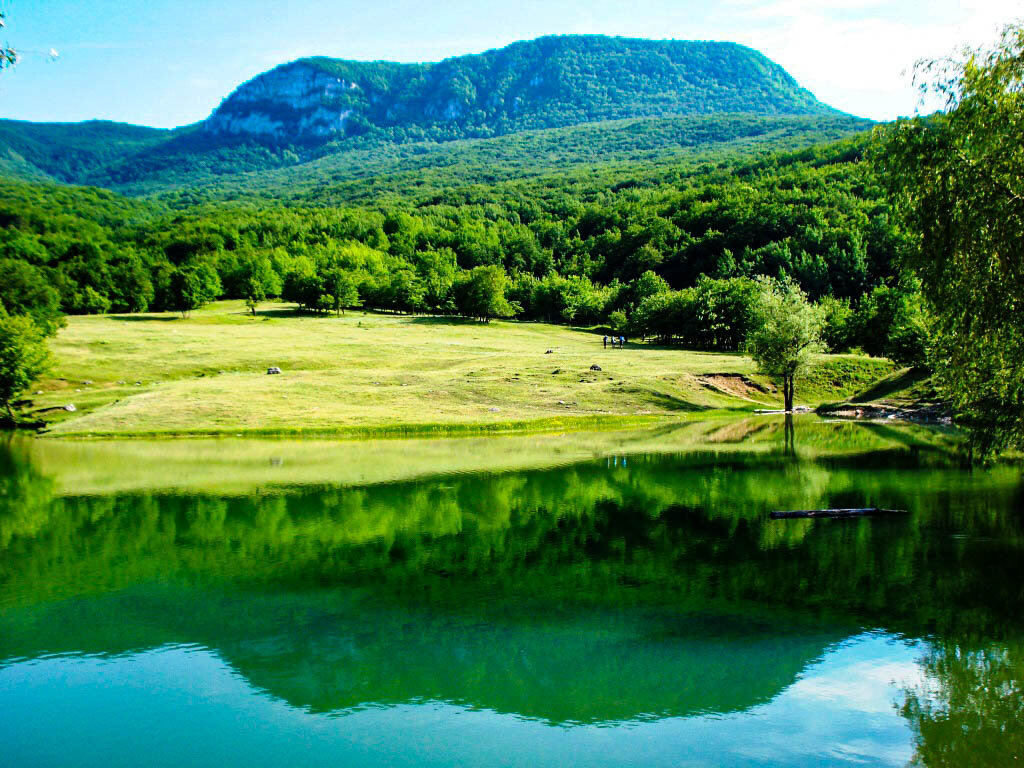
670, 258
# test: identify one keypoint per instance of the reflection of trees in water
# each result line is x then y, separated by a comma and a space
970, 709
25, 495
689, 524
446, 556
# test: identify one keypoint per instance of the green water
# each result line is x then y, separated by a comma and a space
609, 599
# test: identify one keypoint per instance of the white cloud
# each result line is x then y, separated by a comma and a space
868, 686
858, 55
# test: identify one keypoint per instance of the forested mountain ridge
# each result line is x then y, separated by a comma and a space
544, 83
350, 116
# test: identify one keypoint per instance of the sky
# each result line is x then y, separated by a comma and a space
166, 63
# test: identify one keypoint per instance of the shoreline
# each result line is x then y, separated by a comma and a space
601, 422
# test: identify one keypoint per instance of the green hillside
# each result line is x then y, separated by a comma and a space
544, 83
70, 152
365, 169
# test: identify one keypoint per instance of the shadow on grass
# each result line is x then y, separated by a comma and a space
890, 385
296, 312
444, 320
636, 343
290, 312
673, 403
145, 318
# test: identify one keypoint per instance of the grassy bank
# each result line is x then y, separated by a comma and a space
370, 374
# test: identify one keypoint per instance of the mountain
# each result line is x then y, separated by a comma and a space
545, 83
584, 99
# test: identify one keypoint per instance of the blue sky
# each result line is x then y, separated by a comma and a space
166, 63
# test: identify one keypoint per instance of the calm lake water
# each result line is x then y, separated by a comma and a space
608, 599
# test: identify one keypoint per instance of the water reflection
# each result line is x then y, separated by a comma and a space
633, 586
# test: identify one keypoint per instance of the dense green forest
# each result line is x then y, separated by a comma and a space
188, 165
668, 252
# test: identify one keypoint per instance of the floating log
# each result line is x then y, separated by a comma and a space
864, 512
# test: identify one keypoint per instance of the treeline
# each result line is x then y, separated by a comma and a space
674, 259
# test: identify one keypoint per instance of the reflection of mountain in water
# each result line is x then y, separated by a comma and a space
585, 593
330, 650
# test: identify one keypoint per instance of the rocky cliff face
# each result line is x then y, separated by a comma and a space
293, 101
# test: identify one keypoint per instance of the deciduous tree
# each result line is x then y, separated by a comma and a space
786, 333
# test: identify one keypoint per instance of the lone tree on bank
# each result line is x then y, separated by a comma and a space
957, 178
786, 333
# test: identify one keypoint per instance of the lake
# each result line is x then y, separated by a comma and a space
617, 598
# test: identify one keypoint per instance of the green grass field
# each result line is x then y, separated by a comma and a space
366, 374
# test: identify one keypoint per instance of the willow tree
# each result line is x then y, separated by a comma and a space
785, 334
957, 178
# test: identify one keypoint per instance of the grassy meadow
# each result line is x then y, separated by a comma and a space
367, 373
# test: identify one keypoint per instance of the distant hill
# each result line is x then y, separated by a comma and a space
346, 120
70, 152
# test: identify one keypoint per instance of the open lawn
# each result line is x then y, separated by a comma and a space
369, 373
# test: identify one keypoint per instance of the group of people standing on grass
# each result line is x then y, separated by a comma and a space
616, 341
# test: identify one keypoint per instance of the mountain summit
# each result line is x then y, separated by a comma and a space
545, 83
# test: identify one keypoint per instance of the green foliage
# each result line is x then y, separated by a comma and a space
786, 334
893, 322
341, 291
254, 294
24, 291
956, 178
23, 357
839, 330
192, 286
481, 294
618, 322
713, 315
